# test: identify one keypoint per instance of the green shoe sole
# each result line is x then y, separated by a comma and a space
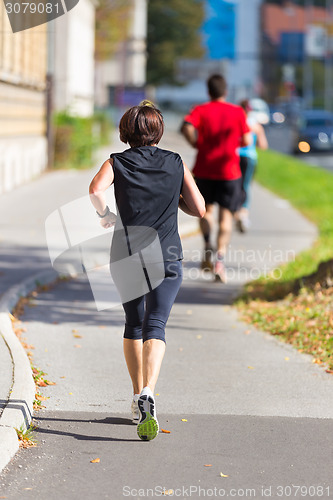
148, 429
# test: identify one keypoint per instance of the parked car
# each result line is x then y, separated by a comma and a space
313, 131
277, 117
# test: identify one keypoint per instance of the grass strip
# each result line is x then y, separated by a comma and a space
298, 315
310, 190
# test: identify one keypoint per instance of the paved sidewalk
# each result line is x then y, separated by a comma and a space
255, 409
24, 255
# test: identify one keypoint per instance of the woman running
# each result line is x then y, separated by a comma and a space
150, 184
248, 162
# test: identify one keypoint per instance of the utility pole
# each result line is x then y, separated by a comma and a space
328, 55
307, 64
50, 92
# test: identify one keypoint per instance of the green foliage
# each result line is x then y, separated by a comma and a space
112, 22
26, 436
76, 138
173, 32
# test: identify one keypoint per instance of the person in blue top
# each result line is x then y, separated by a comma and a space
150, 185
248, 162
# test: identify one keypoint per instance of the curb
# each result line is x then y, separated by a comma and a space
18, 411
19, 407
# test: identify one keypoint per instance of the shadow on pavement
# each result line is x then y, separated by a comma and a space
40, 430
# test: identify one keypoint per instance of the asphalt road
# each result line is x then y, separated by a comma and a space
236, 401
279, 138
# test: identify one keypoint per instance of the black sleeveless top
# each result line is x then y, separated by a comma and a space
147, 183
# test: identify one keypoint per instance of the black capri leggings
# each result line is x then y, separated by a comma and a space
146, 316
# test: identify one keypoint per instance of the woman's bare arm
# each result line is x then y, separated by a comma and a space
191, 201
100, 183
262, 142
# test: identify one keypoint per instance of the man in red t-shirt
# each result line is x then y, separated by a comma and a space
217, 129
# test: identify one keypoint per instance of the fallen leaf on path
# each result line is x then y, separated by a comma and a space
329, 371
78, 346
251, 367
41, 398
286, 358
208, 465
157, 394
316, 361
74, 331
27, 346
223, 475
38, 406
95, 461
63, 376
41, 383
247, 332
165, 431
184, 419
199, 337
168, 492
77, 336
48, 382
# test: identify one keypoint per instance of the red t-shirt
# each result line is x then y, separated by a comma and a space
220, 127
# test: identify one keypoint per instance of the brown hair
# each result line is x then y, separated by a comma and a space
217, 86
245, 104
141, 125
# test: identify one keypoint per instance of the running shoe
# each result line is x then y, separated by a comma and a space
219, 271
207, 264
135, 409
243, 224
148, 426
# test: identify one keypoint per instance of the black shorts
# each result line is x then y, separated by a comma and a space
228, 194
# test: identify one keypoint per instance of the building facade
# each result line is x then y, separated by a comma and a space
23, 68
121, 78
72, 43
